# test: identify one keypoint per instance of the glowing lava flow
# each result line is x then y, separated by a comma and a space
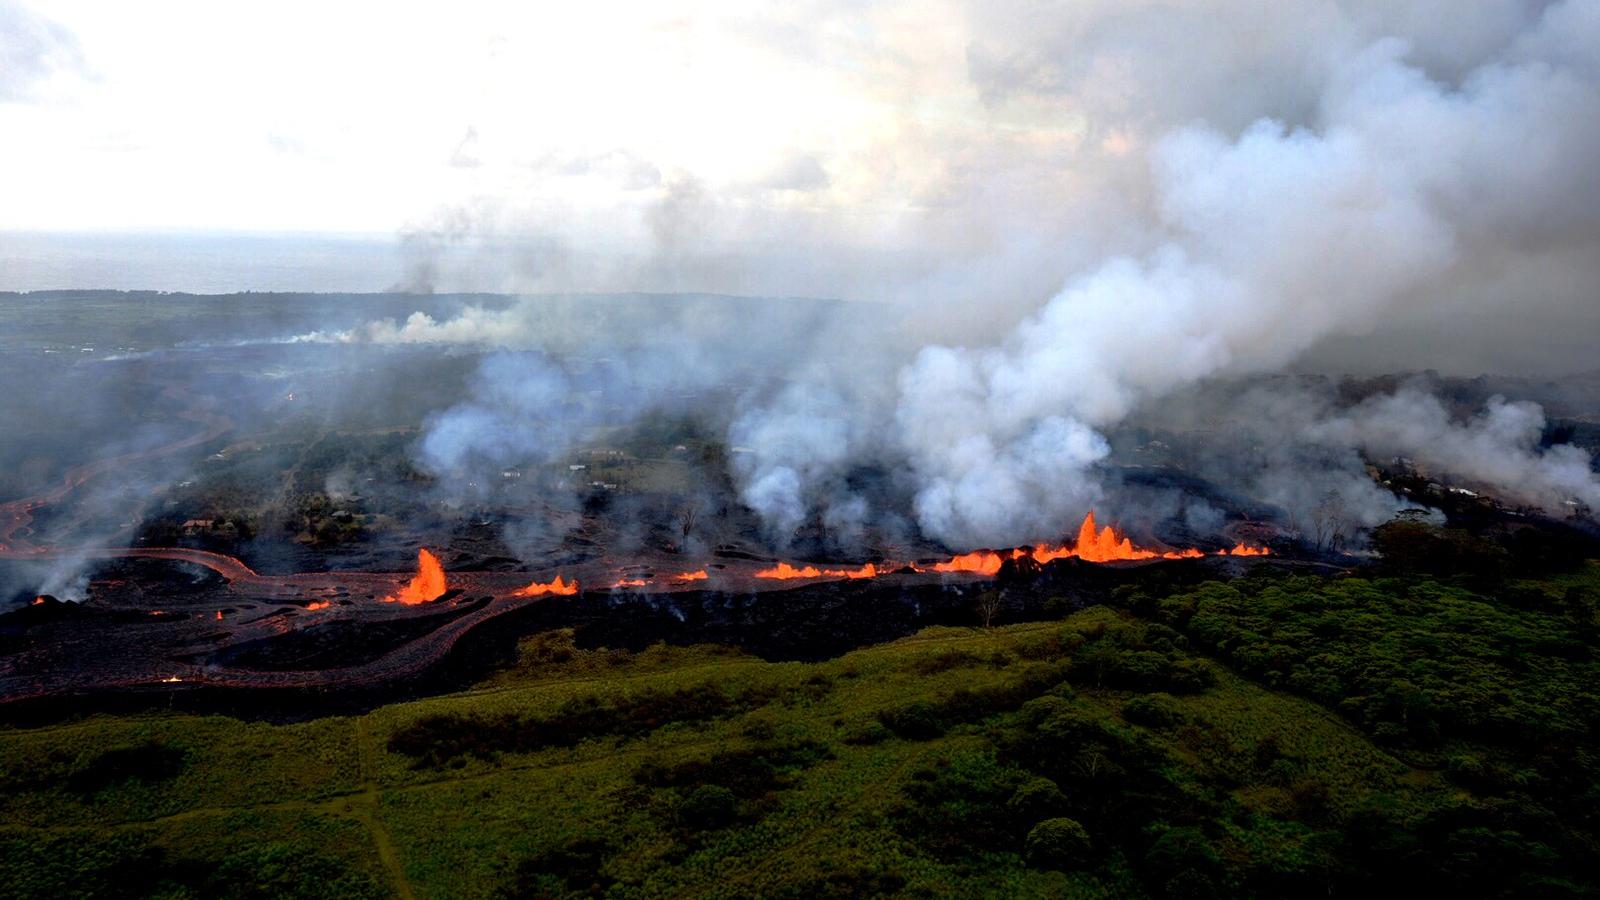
1105, 545
317, 604
982, 562
785, 572
696, 575
557, 588
428, 585
1094, 544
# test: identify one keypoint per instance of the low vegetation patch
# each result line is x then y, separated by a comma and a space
445, 738
1275, 736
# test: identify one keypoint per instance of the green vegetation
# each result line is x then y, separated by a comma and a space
1273, 736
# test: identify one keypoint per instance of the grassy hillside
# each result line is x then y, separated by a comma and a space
1271, 737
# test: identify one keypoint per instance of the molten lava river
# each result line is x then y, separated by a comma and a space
218, 627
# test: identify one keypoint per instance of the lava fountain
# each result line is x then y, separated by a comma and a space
1093, 544
428, 585
556, 588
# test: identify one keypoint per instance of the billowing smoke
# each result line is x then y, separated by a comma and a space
1499, 448
475, 324
1234, 216
1274, 240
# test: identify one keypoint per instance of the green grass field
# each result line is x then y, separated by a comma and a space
924, 767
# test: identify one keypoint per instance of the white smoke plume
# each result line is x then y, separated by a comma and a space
474, 325
1224, 209
1497, 449
1276, 239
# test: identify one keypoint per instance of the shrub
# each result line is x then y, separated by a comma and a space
1105, 665
957, 806
944, 661
867, 733
1058, 843
917, 721
148, 762
747, 773
1152, 711
843, 882
1182, 863
574, 866
439, 740
709, 806
1037, 799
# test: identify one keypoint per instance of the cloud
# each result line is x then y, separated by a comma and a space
32, 49
800, 172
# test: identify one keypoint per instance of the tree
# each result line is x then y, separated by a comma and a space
1059, 843
1036, 800
688, 516
988, 605
709, 806
1182, 863
1328, 522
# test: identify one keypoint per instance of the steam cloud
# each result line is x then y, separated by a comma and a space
1498, 448
1368, 165
1274, 240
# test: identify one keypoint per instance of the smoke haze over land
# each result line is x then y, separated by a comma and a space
1047, 218
1398, 173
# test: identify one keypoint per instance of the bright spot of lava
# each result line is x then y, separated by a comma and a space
428, 585
557, 588
1094, 544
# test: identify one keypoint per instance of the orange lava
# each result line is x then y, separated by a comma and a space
630, 582
982, 562
696, 575
219, 615
785, 572
559, 587
317, 604
1094, 544
1045, 553
1108, 545
428, 585
38, 601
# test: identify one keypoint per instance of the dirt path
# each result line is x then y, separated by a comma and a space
367, 807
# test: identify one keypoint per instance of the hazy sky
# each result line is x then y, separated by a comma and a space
973, 156
368, 116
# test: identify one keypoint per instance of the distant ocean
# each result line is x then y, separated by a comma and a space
200, 264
